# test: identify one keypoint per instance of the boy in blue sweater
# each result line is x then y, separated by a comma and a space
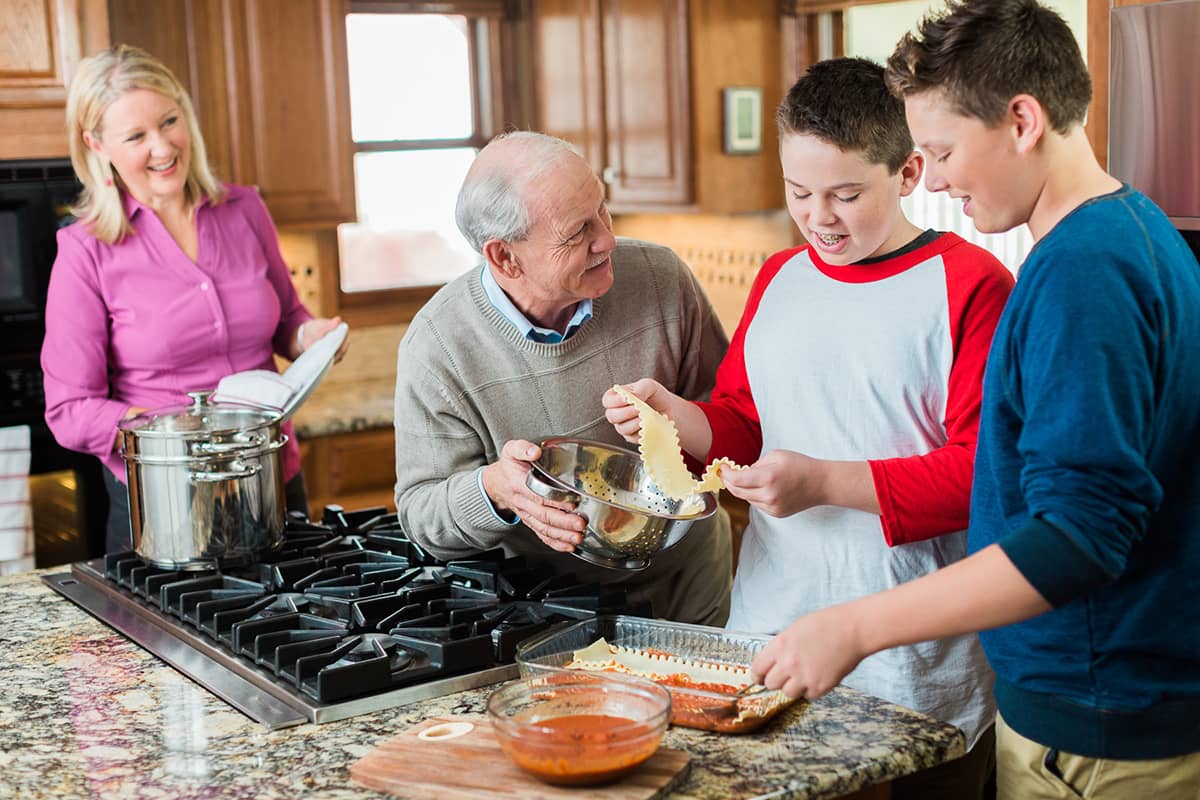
1085, 514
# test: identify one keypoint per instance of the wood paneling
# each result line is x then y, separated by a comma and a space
356, 470
568, 82
41, 43
637, 87
189, 37
647, 108
27, 30
294, 107
269, 82
611, 77
1097, 58
735, 43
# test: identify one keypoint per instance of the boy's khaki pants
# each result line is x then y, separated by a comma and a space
1026, 770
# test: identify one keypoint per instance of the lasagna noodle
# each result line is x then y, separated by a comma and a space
661, 453
600, 655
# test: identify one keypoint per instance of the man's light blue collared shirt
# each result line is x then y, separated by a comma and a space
501, 302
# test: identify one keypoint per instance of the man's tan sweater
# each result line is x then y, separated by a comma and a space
467, 381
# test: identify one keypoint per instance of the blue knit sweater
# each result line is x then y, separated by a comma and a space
1087, 474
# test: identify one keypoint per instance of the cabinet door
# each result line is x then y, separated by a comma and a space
647, 106
611, 77
290, 107
189, 38
569, 85
41, 42
270, 85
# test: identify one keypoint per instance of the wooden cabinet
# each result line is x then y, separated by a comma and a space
270, 84
41, 43
636, 86
355, 470
647, 103
611, 77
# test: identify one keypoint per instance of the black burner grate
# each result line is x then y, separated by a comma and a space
350, 606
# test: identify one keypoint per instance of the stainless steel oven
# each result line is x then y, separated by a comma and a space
69, 500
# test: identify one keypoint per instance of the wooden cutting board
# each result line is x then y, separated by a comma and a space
473, 766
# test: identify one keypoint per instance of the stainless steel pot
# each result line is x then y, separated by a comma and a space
629, 521
206, 484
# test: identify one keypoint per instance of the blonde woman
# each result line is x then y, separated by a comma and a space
168, 281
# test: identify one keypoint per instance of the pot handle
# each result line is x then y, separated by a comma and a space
237, 470
242, 442
550, 491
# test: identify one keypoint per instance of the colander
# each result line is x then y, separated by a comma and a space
629, 520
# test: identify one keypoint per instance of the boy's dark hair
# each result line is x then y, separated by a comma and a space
845, 102
982, 53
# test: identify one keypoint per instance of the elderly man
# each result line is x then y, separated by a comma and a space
523, 349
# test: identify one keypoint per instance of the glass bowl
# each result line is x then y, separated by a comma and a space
579, 730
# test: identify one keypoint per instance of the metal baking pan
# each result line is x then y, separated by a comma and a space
692, 707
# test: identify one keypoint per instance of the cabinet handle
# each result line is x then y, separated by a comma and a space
609, 175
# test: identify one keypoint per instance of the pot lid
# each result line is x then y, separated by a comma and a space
201, 418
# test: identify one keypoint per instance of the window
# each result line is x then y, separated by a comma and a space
421, 106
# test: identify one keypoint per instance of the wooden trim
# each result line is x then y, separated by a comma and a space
469, 8
383, 306
1097, 63
489, 73
93, 16
838, 32
478, 140
798, 8
578, 62
515, 111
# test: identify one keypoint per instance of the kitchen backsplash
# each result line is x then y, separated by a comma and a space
725, 251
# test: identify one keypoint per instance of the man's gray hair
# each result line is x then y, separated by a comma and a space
490, 203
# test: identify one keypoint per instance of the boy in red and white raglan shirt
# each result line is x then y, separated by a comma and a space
852, 389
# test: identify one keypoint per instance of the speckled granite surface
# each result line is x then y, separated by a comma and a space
86, 713
346, 406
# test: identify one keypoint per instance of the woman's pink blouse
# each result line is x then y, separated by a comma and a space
138, 323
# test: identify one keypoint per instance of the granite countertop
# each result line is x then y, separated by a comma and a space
346, 406
86, 713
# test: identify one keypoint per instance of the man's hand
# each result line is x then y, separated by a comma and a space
812, 655
555, 524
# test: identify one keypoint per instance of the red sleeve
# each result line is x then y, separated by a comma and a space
732, 415
930, 495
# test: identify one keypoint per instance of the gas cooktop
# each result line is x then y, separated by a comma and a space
348, 617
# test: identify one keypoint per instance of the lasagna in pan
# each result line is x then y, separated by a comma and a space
704, 694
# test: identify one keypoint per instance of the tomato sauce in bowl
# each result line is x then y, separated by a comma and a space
582, 749
577, 732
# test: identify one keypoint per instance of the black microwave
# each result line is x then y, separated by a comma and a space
35, 201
